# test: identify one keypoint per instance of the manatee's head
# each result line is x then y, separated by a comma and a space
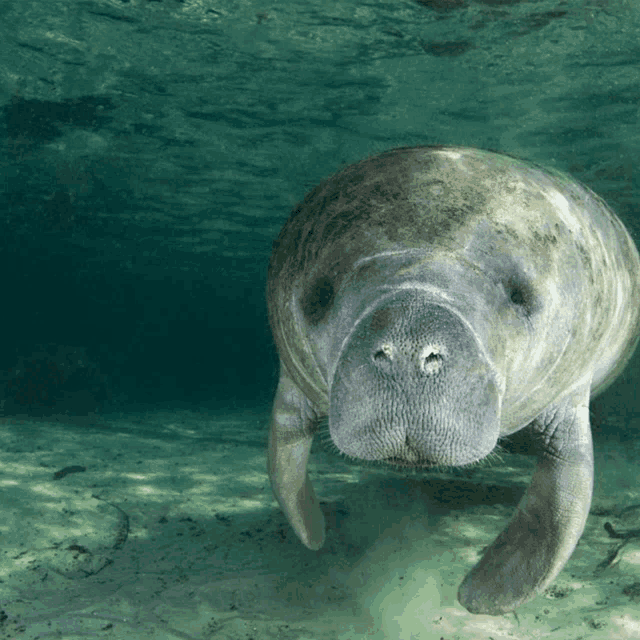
412, 387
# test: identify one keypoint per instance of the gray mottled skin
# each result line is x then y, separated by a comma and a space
430, 300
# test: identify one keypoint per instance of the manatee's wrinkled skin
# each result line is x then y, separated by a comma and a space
430, 300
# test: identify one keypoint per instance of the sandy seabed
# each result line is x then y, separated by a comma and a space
162, 525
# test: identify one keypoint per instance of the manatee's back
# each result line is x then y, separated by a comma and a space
534, 236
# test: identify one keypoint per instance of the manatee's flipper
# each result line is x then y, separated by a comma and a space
549, 521
289, 445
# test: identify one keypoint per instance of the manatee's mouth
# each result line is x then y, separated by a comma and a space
421, 462
413, 464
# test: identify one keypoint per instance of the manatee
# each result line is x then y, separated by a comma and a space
430, 300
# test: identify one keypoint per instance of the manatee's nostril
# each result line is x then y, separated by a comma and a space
383, 358
428, 361
384, 354
431, 362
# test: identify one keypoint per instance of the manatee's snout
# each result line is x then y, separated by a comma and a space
413, 387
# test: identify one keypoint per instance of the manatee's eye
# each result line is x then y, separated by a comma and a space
317, 300
521, 294
517, 297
